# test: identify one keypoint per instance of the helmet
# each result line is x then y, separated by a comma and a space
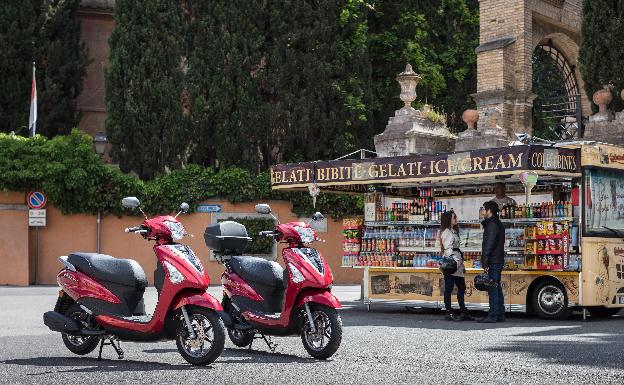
484, 282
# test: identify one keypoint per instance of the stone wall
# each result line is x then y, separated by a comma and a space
66, 233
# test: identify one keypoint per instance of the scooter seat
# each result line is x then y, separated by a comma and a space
124, 272
258, 270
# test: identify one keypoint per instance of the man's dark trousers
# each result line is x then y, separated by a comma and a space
495, 294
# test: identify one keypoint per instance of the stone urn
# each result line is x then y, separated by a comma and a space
470, 117
602, 98
408, 80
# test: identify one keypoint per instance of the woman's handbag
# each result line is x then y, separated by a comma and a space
448, 265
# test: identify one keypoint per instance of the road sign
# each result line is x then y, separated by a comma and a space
208, 208
36, 200
36, 218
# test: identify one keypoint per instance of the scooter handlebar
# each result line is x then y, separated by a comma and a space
136, 229
266, 233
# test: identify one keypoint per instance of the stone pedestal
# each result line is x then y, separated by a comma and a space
408, 132
601, 116
472, 139
606, 131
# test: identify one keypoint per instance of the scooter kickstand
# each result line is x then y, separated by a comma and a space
117, 346
114, 342
272, 345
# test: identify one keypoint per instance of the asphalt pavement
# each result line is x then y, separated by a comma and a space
389, 345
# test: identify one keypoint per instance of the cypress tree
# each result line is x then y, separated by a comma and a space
316, 79
225, 49
61, 68
46, 32
144, 85
277, 80
601, 55
17, 32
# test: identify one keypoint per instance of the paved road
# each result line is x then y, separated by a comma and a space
387, 346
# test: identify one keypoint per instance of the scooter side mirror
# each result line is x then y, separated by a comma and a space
130, 202
184, 207
317, 216
263, 208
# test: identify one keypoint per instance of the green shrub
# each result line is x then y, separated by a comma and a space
76, 181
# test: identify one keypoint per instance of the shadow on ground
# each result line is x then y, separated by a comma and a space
394, 315
596, 347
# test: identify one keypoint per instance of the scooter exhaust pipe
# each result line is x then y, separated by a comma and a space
58, 322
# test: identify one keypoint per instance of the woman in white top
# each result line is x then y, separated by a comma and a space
449, 243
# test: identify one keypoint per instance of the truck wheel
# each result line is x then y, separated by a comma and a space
550, 300
602, 312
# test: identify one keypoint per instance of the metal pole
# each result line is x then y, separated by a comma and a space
98, 221
579, 117
36, 253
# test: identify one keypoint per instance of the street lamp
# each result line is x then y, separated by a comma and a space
408, 80
99, 142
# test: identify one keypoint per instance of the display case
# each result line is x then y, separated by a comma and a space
404, 234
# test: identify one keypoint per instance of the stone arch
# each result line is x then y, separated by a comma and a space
510, 30
569, 49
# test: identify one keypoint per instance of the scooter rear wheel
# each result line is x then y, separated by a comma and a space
240, 338
323, 343
209, 339
77, 344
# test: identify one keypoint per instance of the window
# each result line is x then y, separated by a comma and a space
604, 203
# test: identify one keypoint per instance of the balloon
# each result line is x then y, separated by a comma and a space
529, 180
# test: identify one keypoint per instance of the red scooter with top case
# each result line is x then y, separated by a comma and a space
101, 297
261, 298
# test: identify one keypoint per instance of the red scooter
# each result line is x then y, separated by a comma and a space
101, 297
259, 297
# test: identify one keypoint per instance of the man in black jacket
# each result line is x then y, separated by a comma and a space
493, 259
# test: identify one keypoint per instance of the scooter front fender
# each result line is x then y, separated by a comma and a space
323, 297
194, 298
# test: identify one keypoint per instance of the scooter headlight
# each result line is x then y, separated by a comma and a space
176, 228
306, 234
295, 274
174, 274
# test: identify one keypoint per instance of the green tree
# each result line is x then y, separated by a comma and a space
601, 55
439, 39
144, 85
46, 32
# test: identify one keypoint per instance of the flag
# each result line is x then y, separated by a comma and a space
32, 120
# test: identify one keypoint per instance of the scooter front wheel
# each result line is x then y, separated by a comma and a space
207, 344
325, 340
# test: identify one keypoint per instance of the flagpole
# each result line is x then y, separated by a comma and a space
32, 119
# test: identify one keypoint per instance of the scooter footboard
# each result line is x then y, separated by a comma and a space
323, 297
194, 298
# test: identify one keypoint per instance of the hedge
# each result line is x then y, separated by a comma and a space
76, 180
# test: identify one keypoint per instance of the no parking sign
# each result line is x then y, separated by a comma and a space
36, 200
